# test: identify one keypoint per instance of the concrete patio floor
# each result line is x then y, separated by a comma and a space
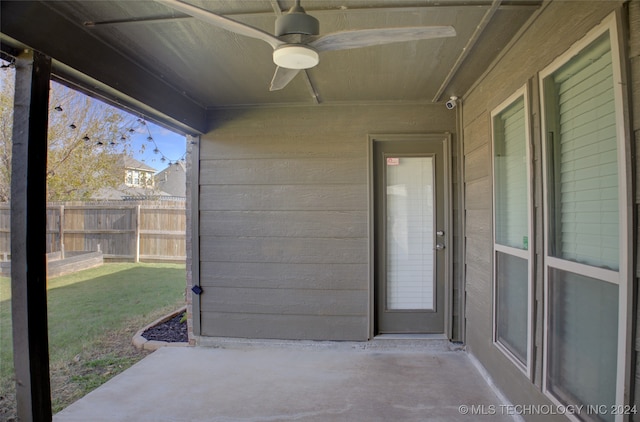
309, 381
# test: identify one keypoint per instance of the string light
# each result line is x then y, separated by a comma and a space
156, 150
99, 143
142, 122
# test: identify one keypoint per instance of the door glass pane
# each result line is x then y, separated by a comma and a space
583, 339
510, 169
582, 155
410, 221
512, 277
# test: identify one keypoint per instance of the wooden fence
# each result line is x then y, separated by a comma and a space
125, 231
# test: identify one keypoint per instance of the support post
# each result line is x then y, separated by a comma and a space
28, 237
136, 256
61, 234
192, 236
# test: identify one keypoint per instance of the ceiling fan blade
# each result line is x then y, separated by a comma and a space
222, 22
367, 37
282, 77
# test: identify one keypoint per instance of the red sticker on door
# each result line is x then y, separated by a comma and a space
393, 161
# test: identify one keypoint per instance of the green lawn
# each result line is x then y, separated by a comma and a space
92, 316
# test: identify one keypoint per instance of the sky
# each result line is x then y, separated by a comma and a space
172, 146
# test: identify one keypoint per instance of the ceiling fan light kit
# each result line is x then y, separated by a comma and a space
293, 56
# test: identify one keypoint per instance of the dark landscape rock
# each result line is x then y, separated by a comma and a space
171, 331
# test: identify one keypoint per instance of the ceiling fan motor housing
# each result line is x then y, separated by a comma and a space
296, 22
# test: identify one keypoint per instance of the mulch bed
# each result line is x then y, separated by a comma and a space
171, 331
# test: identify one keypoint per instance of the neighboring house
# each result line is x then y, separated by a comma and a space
138, 183
506, 221
137, 174
173, 179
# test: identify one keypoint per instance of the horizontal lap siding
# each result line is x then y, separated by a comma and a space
478, 235
272, 171
285, 301
304, 327
284, 249
634, 56
281, 197
284, 236
558, 26
284, 223
284, 219
281, 275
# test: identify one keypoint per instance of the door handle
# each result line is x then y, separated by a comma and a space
439, 246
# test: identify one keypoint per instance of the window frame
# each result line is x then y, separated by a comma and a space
621, 277
525, 367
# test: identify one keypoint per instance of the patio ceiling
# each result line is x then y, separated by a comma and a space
172, 67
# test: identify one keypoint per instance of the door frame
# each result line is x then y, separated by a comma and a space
445, 139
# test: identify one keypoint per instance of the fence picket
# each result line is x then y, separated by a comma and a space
133, 231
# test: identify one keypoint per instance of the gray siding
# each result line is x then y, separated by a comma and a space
284, 218
533, 50
634, 66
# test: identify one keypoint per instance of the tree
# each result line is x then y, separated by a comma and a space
86, 139
6, 127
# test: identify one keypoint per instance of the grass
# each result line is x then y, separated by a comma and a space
93, 315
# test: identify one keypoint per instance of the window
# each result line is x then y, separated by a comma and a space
583, 166
512, 230
410, 217
586, 252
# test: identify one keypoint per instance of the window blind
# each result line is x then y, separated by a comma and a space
583, 227
410, 220
586, 159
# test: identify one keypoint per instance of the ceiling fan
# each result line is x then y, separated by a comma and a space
297, 44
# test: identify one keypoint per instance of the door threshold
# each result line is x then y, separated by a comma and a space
410, 336
413, 342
